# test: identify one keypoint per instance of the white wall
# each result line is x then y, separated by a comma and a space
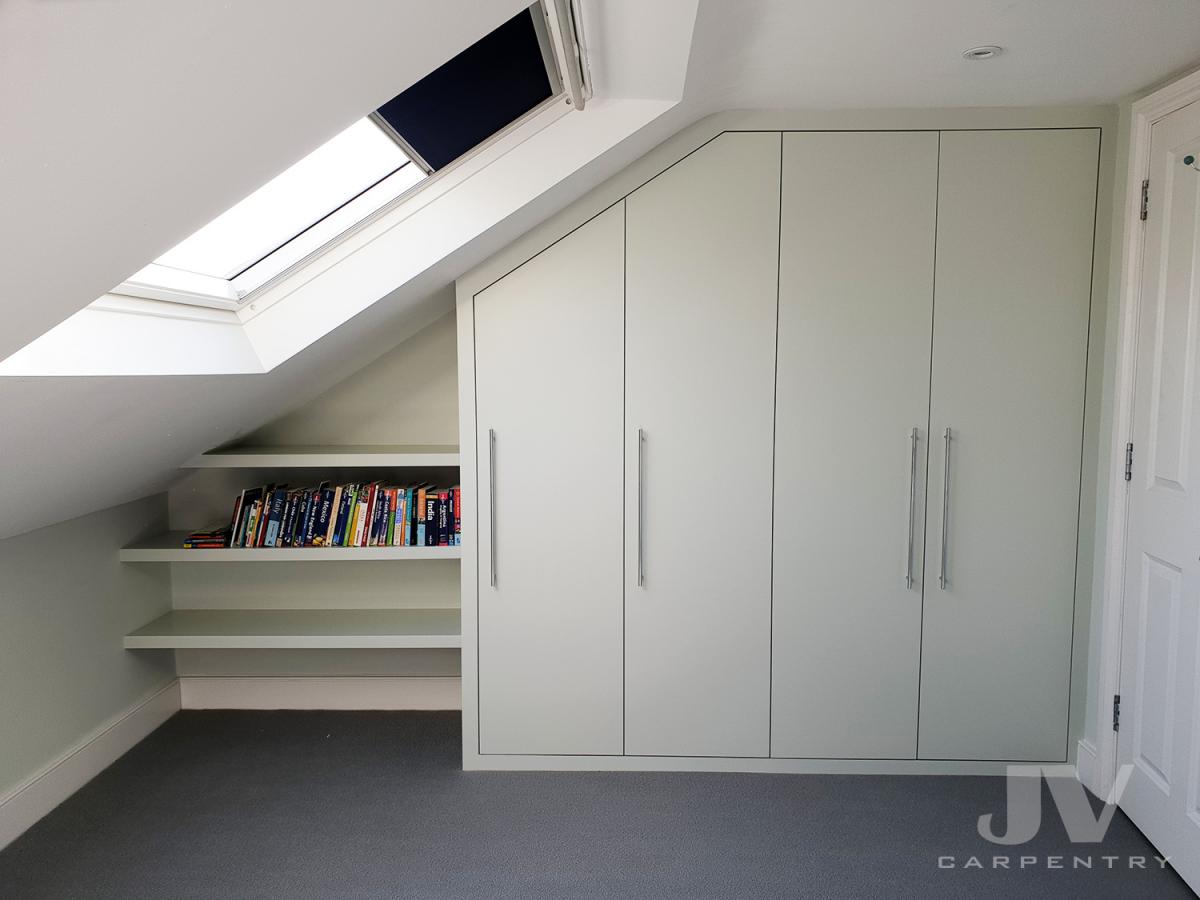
65, 604
407, 396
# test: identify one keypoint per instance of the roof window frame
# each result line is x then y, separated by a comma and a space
178, 289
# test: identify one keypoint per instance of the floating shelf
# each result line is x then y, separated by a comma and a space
169, 548
326, 457
310, 629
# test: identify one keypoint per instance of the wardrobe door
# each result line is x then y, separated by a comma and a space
548, 363
851, 441
1014, 264
701, 271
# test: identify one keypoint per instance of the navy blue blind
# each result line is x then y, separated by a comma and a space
464, 102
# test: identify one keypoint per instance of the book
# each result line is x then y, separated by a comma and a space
379, 520
322, 521
274, 517
419, 518
431, 518
401, 517
389, 522
301, 532
311, 515
370, 513
244, 516
248, 539
295, 536
287, 521
410, 519
343, 514
443, 518
387, 518
359, 514
334, 507
361, 510
396, 525
214, 539
260, 518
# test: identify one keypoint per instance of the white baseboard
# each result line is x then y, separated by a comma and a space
26, 803
391, 692
1086, 766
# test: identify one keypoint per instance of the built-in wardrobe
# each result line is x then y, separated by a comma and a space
778, 457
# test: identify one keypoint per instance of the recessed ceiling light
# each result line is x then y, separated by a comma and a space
987, 51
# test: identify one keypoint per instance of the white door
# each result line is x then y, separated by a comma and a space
548, 371
851, 441
702, 268
1014, 263
1160, 705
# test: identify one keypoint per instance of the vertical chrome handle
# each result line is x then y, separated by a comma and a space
945, 508
641, 568
912, 507
492, 502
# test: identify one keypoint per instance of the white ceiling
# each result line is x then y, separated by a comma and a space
127, 124
874, 54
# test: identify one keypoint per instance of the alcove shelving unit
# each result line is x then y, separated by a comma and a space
327, 628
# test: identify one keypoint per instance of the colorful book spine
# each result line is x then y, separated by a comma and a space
251, 524
287, 521
321, 522
343, 514
457, 516
376, 511
410, 519
334, 505
274, 517
304, 520
361, 514
443, 519
431, 518
361, 511
420, 518
386, 519
389, 535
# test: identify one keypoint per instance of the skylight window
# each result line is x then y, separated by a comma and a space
503, 77
333, 175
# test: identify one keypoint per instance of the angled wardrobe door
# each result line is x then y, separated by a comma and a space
1014, 265
701, 272
548, 362
855, 315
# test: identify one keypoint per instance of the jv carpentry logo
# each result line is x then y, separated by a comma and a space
1023, 820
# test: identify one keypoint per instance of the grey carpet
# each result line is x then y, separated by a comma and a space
298, 805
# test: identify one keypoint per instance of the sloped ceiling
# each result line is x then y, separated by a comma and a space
126, 124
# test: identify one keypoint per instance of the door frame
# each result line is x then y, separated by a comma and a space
1143, 115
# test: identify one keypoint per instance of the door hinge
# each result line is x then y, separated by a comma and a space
1116, 712
1129, 462
1145, 199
